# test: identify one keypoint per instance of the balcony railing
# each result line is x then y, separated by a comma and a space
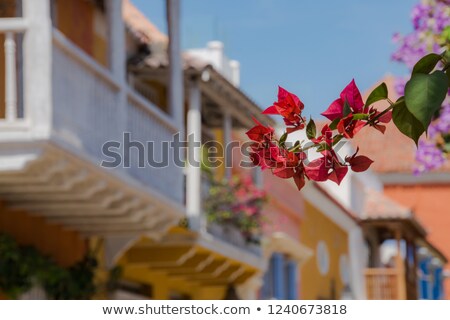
11, 31
225, 232
382, 284
88, 111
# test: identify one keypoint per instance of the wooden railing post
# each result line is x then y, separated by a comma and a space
399, 264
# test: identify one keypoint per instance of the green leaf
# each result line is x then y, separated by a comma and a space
446, 54
445, 35
447, 72
283, 138
427, 63
311, 129
337, 138
334, 123
296, 147
347, 110
406, 122
360, 116
379, 93
424, 95
322, 146
446, 148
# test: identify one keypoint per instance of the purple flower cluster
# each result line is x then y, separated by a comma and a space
429, 18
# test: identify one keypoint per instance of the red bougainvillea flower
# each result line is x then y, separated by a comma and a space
289, 107
286, 163
352, 96
327, 167
348, 126
260, 133
358, 163
299, 176
327, 136
385, 118
263, 155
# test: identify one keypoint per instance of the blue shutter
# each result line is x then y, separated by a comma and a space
266, 292
437, 284
292, 278
424, 285
278, 276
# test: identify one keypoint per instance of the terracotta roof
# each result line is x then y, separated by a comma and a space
140, 26
379, 206
392, 152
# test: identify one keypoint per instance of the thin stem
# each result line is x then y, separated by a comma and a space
308, 147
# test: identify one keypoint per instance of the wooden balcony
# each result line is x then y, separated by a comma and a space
59, 108
384, 284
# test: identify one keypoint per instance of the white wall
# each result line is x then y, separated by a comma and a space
214, 54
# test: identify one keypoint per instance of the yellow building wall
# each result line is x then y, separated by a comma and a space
164, 286
317, 227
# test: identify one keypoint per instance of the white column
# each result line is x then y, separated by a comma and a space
235, 72
227, 127
193, 173
358, 256
10, 77
176, 94
37, 55
117, 57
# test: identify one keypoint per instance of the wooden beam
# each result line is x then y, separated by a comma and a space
401, 281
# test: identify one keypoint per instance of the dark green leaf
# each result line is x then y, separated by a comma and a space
347, 109
283, 138
311, 129
406, 122
447, 72
379, 93
424, 95
334, 123
427, 63
337, 138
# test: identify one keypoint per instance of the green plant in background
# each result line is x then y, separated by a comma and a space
73, 283
236, 202
22, 267
15, 270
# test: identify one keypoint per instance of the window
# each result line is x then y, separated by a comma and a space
281, 278
344, 269
323, 258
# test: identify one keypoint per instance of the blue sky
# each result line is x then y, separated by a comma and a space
312, 48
